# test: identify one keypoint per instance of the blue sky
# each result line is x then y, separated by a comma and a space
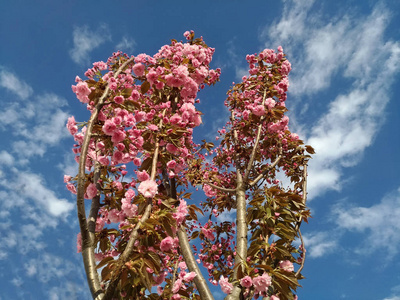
343, 100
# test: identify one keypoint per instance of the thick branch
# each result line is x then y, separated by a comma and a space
87, 243
241, 224
201, 283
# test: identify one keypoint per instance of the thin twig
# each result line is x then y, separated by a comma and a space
269, 168
304, 255
257, 141
222, 189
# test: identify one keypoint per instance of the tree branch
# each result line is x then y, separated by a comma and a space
241, 224
304, 254
270, 167
124, 257
222, 189
201, 283
257, 141
87, 243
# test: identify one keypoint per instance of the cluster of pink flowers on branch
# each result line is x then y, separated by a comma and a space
137, 158
255, 145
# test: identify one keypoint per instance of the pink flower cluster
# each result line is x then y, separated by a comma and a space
148, 188
261, 283
226, 286
169, 243
81, 90
180, 213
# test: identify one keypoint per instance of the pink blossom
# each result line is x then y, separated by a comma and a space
138, 69
171, 164
208, 233
261, 283
160, 278
129, 194
273, 297
187, 35
148, 188
226, 286
189, 276
258, 110
71, 125
167, 244
181, 213
286, 265
67, 178
152, 127
91, 191
172, 149
113, 216
270, 102
137, 161
151, 76
246, 282
117, 157
119, 99
209, 191
175, 119
82, 91
176, 297
71, 187
142, 175
182, 266
109, 127
177, 286
135, 95
103, 160
118, 136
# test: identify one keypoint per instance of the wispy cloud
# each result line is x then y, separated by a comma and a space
320, 244
379, 222
85, 40
126, 44
12, 83
350, 49
40, 124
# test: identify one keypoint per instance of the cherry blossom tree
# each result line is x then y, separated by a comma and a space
144, 236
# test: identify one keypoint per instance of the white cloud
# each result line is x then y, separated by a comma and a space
127, 44
6, 158
40, 125
32, 186
393, 298
354, 50
18, 282
380, 222
85, 40
12, 83
320, 244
